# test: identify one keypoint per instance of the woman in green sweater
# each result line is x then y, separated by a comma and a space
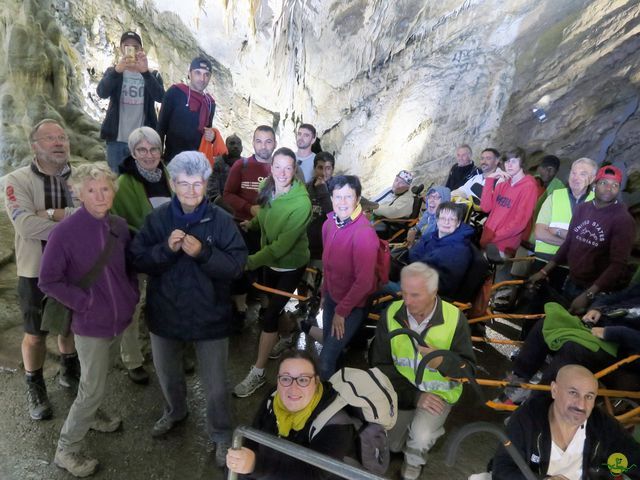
285, 212
143, 185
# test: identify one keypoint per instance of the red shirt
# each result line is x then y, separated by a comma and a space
243, 183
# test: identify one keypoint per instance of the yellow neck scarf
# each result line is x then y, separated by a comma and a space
287, 420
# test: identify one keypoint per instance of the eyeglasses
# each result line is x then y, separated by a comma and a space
447, 219
146, 151
186, 186
303, 381
53, 138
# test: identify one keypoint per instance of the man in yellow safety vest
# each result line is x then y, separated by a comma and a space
424, 404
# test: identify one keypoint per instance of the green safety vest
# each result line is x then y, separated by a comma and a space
560, 217
406, 358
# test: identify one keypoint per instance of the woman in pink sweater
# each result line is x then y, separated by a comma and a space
350, 248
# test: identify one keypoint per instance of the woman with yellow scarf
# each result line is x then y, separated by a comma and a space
288, 413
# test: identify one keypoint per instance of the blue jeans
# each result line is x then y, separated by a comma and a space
331, 346
214, 376
116, 153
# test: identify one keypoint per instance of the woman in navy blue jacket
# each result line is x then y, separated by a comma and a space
448, 249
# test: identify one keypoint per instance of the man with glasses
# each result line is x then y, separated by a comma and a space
132, 90
36, 198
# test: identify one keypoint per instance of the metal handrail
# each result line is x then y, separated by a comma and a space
303, 454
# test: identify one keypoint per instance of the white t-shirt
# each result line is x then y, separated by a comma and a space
306, 165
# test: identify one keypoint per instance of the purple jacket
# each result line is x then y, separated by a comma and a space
349, 262
73, 247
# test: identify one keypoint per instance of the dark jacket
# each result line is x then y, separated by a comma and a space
178, 126
622, 328
450, 256
380, 355
335, 440
189, 298
111, 86
529, 431
320, 207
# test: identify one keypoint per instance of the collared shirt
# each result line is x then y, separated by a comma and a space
422, 326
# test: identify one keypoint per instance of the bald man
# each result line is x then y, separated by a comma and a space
564, 437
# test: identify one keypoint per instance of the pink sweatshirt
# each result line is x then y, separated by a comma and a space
510, 208
349, 261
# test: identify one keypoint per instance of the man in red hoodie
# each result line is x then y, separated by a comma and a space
509, 198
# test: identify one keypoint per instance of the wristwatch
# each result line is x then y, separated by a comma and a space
50, 212
590, 295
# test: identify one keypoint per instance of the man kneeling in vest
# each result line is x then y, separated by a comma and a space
424, 407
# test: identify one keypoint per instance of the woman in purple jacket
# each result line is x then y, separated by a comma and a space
100, 313
350, 250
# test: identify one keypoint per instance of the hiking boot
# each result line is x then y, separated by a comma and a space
410, 472
165, 425
75, 463
105, 423
512, 394
284, 343
221, 453
69, 373
250, 384
39, 406
138, 375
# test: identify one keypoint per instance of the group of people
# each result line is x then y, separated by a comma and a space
158, 226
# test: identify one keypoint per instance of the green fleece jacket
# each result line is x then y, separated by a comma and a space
131, 202
283, 228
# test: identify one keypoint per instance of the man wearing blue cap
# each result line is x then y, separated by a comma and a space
187, 112
132, 90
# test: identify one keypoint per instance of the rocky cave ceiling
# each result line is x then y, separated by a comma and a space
389, 85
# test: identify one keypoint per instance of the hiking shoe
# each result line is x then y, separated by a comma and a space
39, 406
250, 384
410, 472
138, 375
284, 343
165, 425
221, 453
69, 373
105, 423
514, 394
75, 463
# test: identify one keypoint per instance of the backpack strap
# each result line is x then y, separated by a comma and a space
92, 275
326, 417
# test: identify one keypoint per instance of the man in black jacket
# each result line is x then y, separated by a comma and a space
132, 91
567, 438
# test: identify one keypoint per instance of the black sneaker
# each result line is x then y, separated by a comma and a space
138, 375
39, 406
69, 374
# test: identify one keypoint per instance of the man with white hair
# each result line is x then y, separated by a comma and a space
424, 406
37, 197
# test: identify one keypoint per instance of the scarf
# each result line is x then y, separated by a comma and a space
151, 176
343, 223
198, 102
185, 220
287, 420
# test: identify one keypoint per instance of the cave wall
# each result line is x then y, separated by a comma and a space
390, 85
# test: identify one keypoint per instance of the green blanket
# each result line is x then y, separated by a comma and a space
560, 326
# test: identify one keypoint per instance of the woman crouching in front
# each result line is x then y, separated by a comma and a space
289, 413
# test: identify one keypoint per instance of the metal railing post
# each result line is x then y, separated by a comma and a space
303, 454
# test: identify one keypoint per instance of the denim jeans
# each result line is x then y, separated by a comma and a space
116, 153
331, 346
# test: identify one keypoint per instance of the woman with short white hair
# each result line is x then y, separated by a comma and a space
191, 250
84, 268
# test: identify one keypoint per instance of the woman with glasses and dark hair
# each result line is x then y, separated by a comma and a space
191, 251
143, 185
349, 260
289, 412
285, 212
